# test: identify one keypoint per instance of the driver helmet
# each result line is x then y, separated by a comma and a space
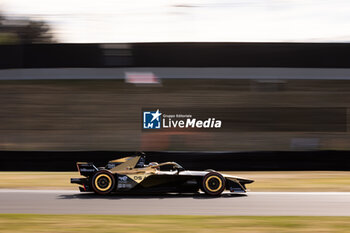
153, 164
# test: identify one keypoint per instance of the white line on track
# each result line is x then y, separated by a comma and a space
252, 193
299, 193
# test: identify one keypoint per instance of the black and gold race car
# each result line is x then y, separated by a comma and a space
132, 175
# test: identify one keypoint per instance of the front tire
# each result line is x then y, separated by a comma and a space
213, 184
103, 182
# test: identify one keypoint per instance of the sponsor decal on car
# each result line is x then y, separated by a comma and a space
86, 169
122, 178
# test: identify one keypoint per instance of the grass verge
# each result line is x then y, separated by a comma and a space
37, 180
264, 181
10, 223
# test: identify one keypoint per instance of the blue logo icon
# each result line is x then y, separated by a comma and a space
151, 120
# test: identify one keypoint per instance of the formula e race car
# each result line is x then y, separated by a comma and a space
132, 175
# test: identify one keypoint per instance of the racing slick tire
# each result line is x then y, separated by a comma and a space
103, 182
213, 184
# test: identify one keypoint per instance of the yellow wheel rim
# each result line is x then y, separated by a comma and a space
207, 183
109, 182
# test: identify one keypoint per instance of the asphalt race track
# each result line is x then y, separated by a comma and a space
254, 203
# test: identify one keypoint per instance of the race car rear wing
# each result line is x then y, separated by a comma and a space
86, 169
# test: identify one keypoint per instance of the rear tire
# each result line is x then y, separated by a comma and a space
213, 184
103, 182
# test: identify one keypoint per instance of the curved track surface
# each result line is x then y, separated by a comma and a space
254, 203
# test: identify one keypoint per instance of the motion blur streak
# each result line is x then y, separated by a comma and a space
83, 21
106, 114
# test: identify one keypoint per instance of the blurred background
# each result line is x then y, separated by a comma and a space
117, 21
275, 72
76, 75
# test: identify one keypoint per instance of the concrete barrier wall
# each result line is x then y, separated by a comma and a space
221, 161
306, 55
